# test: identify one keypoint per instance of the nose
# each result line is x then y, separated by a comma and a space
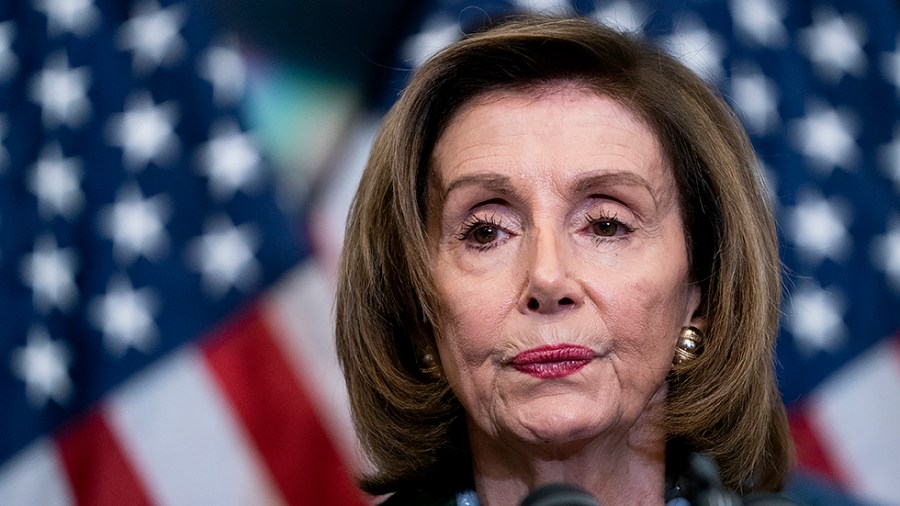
550, 286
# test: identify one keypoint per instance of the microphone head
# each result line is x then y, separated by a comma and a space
559, 494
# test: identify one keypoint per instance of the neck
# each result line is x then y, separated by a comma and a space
618, 469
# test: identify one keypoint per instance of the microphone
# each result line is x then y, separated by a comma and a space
702, 486
559, 494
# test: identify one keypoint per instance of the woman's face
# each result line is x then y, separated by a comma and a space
561, 259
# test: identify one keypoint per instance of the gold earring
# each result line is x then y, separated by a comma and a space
690, 343
429, 366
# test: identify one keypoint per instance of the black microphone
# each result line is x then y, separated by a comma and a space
559, 494
702, 485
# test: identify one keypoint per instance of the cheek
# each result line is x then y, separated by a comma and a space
465, 347
646, 314
473, 323
475, 313
475, 302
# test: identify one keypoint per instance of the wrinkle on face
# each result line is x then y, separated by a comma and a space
538, 168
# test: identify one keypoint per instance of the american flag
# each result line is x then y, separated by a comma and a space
817, 85
165, 337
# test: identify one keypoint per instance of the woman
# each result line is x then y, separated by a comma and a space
560, 266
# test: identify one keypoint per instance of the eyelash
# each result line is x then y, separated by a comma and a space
472, 224
607, 218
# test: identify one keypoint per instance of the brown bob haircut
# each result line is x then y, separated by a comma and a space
725, 403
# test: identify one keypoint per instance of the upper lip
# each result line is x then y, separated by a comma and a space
553, 353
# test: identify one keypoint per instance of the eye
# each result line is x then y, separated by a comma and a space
608, 226
482, 233
605, 228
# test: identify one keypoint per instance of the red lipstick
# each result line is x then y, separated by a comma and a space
552, 361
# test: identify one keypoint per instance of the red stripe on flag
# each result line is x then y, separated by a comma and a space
811, 455
277, 414
98, 470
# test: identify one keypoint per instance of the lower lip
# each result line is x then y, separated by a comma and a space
547, 362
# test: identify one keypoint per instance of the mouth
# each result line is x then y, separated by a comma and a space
552, 361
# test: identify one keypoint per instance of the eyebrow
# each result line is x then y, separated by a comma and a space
583, 182
494, 182
598, 179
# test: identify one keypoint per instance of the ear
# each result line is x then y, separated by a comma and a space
693, 317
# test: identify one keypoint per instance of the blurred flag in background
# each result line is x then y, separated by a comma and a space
146, 356
166, 335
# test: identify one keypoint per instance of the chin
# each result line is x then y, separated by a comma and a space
562, 424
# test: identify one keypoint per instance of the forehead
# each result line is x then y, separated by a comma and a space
555, 132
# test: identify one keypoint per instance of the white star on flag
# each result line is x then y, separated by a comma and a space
818, 226
56, 182
698, 48
153, 36
756, 99
145, 131
558, 7
815, 318
50, 273
136, 225
224, 68
827, 137
834, 44
43, 364
61, 92
9, 62
760, 20
78, 17
225, 256
230, 159
437, 33
125, 317
622, 15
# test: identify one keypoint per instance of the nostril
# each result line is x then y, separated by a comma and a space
533, 304
565, 301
